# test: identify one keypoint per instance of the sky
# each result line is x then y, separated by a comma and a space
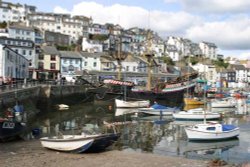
223, 22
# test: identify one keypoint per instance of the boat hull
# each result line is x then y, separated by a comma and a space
10, 130
195, 135
152, 111
131, 104
198, 117
191, 101
80, 143
76, 145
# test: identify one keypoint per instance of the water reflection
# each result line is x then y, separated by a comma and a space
155, 134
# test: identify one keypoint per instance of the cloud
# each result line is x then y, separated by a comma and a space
229, 34
165, 23
214, 6
59, 9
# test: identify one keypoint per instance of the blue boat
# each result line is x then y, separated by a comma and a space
10, 130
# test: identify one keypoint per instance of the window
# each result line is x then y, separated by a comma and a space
53, 57
17, 31
40, 65
85, 63
27, 33
41, 57
30, 52
52, 66
94, 64
70, 61
71, 68
24, 52
211, 128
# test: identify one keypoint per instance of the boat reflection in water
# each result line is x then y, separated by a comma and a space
210, 149
123, 111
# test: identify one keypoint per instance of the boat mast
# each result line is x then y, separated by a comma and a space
204, 93
149, 57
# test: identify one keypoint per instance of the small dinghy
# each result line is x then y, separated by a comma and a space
79, 143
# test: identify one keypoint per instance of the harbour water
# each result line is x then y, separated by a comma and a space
141, 133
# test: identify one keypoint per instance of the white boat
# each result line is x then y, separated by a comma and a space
62, 106
68, 143
79, 143
196, 114
158, 109
223, 103
132, 104
212, 131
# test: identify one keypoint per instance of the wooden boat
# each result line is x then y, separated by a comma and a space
132, 104
212, 131
79, 143
196, 114
193, 101
10, 130
223, 103
158, 109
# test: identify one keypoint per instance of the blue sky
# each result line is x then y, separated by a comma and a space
223, 22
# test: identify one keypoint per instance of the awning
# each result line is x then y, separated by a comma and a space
201, 81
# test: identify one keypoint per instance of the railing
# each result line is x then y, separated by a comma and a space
19, 85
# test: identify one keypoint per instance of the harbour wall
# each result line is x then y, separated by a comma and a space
30, 96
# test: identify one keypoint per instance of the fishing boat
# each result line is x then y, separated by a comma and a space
196, 114
158, 109
79, 143
212, 131
131, 104
10, 130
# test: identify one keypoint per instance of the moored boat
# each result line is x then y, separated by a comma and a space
132, 104
196, 114
212, 131
79, 143
193, 101
10, 130
223, 103
158, 109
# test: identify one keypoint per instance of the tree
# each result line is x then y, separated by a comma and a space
168, 60
3, 24
220, 63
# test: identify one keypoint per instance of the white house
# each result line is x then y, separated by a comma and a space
23, 47
172, 52
12, 64
10, 12
74, 26
208, 69
91, 61
91, 46
209, 50
98, 29
71, 62
19, 31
